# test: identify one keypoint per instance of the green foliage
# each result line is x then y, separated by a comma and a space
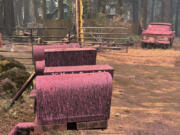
135, 37
86, 9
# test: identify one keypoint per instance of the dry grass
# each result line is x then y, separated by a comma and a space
146, 92
156, 57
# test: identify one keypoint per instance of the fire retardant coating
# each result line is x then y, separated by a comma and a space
39, 67
38, 50
70, 57
73, 98
78, 69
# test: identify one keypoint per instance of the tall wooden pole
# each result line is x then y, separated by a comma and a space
79, 21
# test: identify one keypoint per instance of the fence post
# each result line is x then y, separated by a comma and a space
69, 36
0, 40
31, 40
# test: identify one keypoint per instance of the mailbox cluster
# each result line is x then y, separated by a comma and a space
71, 92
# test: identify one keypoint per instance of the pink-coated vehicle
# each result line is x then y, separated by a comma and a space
158, 35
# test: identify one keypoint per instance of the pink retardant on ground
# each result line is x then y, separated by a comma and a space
39, 67
73, 98
70, 57
78, 69
22, 128
38, 50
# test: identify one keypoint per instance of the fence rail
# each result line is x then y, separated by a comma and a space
111, 37
27, 38
105, 28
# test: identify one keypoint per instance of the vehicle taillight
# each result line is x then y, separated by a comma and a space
145, 37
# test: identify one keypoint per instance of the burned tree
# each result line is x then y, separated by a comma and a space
166, 10
7, 15
135, 17
60, 9
143, 17
26, 12
177, 17
44, 9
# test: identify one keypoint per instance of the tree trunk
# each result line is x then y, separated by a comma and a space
119, 7
136, 16
19, 13
37, 4
44, 9
1, 14
152, 10
26, 12
9, 20
102, 4
143, 14
135, 11
94, 8
32, 12
52, 6
171, 12
60, 9
166, 10
177, 17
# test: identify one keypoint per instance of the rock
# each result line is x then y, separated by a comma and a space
17, 75
117, 114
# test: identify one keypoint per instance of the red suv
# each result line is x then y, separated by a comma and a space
158, 35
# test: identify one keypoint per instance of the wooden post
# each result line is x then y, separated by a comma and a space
0, 40
79, 21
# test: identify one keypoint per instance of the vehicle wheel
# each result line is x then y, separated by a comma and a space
143, 45
164, 46
171, 42
149, 46
154, 46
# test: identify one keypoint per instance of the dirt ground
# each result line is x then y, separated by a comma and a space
146, 97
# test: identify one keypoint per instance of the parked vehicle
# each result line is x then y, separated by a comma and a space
158, 35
